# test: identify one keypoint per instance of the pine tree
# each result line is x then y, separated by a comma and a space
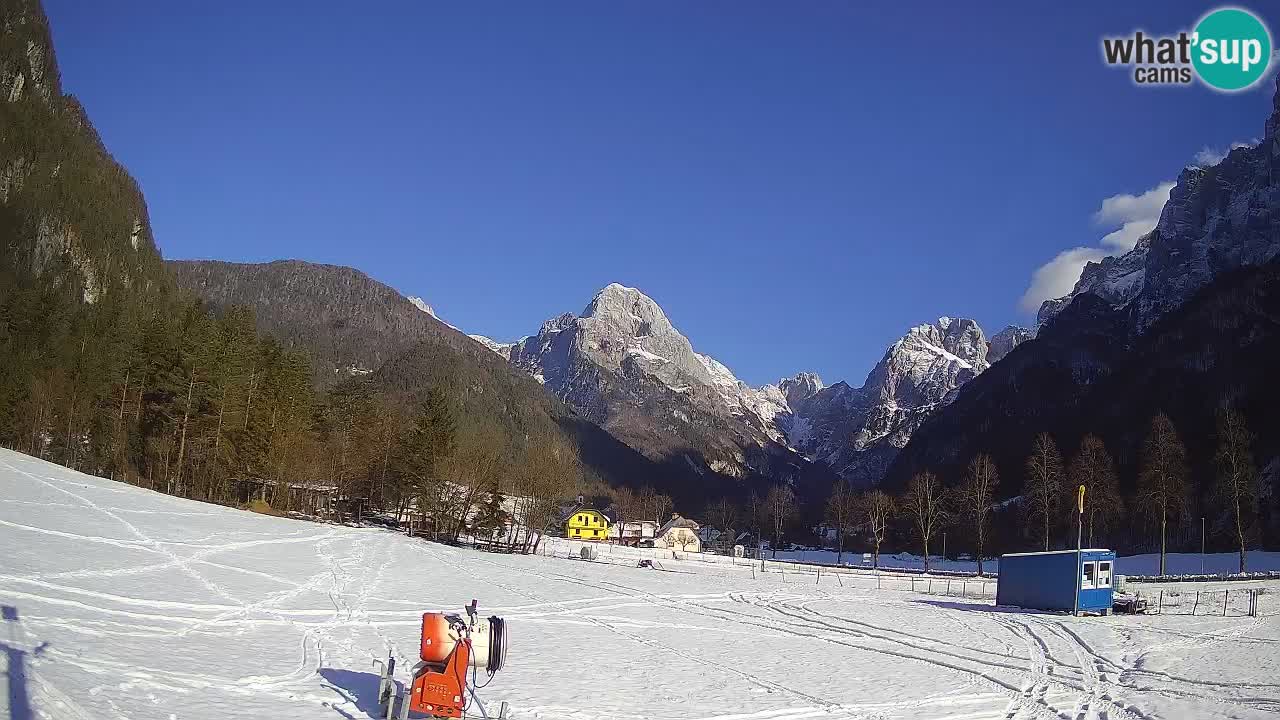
429, 439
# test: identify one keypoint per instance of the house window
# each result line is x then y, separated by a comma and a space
1104, 574
1089, 576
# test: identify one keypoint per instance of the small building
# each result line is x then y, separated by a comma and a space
631, 532
586, 523
1049, 580
680, 533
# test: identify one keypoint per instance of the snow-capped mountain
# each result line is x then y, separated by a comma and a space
624, 365
1003, 342
503, 349
857, 431
1217, 218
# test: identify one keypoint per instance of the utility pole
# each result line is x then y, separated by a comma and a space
1079, 538
1202, 568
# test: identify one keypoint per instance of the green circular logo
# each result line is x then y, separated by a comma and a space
1230, 49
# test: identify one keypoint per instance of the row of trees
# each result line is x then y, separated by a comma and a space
189, 402
1162, 494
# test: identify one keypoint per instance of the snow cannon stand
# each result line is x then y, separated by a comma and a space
451, 646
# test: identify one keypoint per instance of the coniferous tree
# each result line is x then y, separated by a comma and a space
429, 439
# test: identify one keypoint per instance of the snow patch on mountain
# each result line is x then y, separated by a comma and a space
502, 349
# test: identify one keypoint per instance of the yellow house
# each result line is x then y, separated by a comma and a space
587, 524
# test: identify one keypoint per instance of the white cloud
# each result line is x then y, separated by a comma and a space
1124, 208
1057, 277
1132, 216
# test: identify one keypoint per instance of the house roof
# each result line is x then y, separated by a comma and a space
586, 508
677, 521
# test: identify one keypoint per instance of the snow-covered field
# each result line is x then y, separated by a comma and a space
122, 603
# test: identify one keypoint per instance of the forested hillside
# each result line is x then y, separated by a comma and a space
109, 368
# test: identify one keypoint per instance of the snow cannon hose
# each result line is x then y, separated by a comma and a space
497, 644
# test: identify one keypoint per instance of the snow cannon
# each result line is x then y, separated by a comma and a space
450, 646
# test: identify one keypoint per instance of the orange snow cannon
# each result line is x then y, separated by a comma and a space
440, 684
449, 649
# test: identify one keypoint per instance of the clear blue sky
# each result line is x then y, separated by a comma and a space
795, 183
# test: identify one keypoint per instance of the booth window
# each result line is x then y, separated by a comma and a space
1104, 574
1089, 576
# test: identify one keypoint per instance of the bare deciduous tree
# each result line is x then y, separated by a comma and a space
877, 508
549, 473
924, 500
1237, 486
841, 511
1044, 484
1092, 467
980, 481
624, 508
780, 505
722, 514
662, 506
1162, 481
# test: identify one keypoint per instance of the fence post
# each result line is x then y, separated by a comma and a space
948, 587
1160, 604
819, 580
930, 590
1225, 595
1197, 603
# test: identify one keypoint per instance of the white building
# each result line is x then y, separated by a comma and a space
680, 533
631, 532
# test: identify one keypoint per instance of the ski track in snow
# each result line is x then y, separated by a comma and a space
133, 604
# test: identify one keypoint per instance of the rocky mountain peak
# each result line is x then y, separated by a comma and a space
800, 387
1003, 342
557, 323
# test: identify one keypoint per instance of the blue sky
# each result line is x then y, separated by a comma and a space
795, 183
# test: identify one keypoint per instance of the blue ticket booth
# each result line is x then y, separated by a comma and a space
1048, 580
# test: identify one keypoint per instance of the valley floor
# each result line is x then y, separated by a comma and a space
123, 603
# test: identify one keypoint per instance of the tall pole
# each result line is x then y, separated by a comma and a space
1202, 569
1079, 538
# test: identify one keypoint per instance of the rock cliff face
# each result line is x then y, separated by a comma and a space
1004, 342
623, 365
72, 216
1218, 219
